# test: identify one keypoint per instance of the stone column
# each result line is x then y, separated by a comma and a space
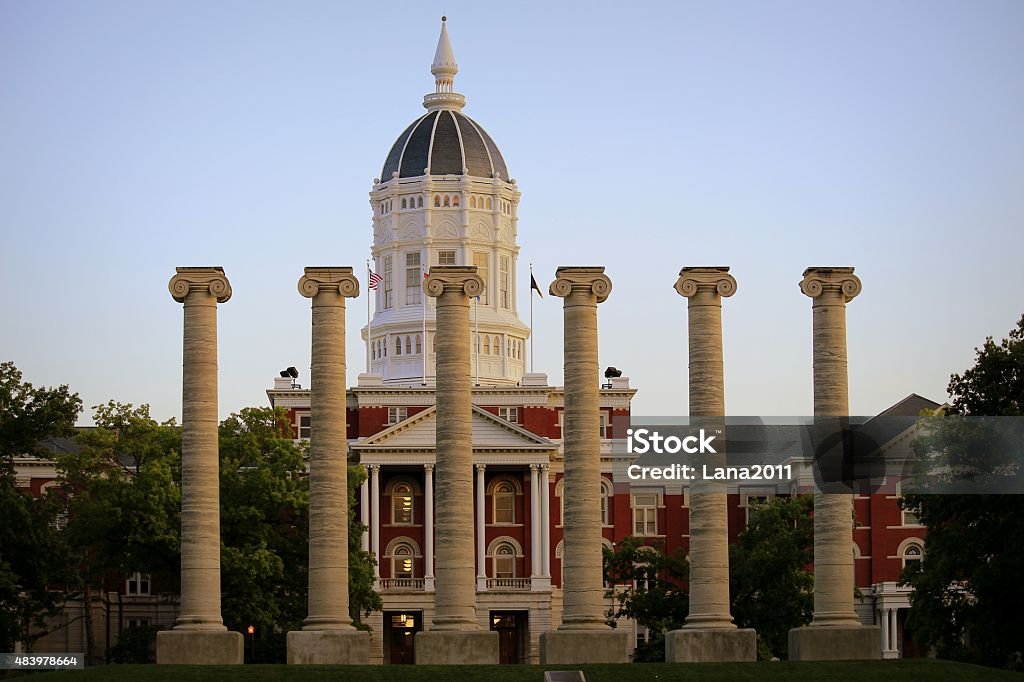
709, 633
454, 636
428, 527
481, 537
835, 633
583, 636
545, 528
535, 567
375, 521
327, 636
199, 635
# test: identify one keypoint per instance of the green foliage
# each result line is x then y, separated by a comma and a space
968, 594
135, 645
646, 585
771, 588
33, 554
361, 596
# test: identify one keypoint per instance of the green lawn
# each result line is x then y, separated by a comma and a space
885, 671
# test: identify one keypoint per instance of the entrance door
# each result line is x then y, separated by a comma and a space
511, 629
400, 628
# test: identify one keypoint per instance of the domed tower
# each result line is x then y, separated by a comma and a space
444, 197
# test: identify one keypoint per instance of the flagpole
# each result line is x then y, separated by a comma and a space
369, 319
423, 310
531, 318
476, 346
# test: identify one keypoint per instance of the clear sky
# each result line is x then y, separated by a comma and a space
768, 136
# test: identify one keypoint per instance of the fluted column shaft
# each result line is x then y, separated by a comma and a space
831, 289
454, 583
709, 521
328, 449
200, 289
583, 591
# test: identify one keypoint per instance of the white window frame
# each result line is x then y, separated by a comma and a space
509, 414
138, 584
387, 290
503, 284
413, 278
397, 414
446, 257
481, 269
648, 513
397, 495
299, 428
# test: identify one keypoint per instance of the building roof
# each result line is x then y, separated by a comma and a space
444, 142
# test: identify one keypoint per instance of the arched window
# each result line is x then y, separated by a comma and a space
398, 345
607, 494
504, 497
408, 345
419, 202
487, 345
402, 552
447, 200
419, 344
384, 346
437, 201
503, 553
455, 200
911, 550
403, 202
472, 202
373, 350
402, 504
489, 204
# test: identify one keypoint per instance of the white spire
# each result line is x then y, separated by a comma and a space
444, 67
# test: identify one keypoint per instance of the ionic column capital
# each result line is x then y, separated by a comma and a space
428, 468
715, 280
480, 467
535, 467
819, 280
375, 468
453, 278
581, 280
328, 279
189, 280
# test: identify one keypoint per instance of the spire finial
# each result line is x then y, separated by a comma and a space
444, 69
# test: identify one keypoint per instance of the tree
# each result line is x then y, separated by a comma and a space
362, 598
33, 554
968, 595
647, 585
771, 588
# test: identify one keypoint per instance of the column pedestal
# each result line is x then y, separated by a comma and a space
835, 643
199, 647
328, 647
701, 646
457, 647
565, 647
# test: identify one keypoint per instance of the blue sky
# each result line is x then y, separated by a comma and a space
135, 137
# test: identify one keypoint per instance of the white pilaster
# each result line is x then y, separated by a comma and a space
545, 522
428, 527
375, 518
364, 512
894, 633
481, 548
536, 569
884, 613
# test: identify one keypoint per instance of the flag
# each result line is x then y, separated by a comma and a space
375, 279
535, 286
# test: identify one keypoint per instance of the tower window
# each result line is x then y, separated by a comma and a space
447, 200
446, 257
408, 345
387, 294
419, 202
480, 261
503, 283
437, 201
472, 202
398, 345
489, 204
455, 200
413, 279
403, 202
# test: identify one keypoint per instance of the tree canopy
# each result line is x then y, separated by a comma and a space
968, 596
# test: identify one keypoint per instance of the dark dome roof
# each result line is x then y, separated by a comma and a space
446, 142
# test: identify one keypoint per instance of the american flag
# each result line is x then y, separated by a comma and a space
375, 279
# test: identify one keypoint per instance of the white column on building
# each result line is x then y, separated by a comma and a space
894, 631
481, 548
375, 517
545, 522
428, 526
364, 512
884, 613
535, 551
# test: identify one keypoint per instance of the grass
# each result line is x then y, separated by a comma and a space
855, 671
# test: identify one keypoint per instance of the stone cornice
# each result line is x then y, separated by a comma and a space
694, 279
328, 279
818, 280
453, 278
589, 280
189, 279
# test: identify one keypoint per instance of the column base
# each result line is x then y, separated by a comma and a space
558, 647
328, 647
710, 646
835, 643
199, 647
456, 647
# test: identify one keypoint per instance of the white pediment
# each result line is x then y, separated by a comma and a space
419, 432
